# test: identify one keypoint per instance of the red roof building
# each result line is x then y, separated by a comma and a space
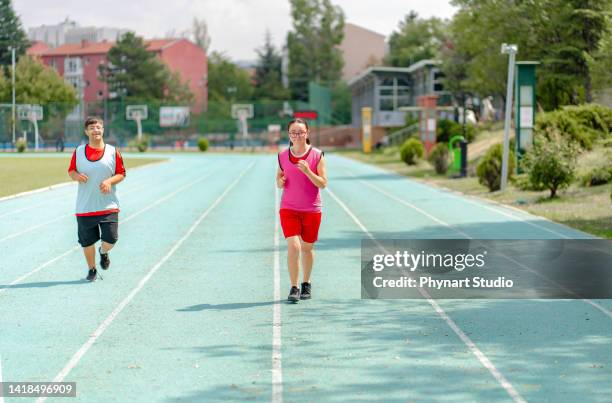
78, 64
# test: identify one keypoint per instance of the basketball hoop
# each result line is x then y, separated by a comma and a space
242, 112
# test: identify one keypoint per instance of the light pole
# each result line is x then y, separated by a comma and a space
510, 50
12, 48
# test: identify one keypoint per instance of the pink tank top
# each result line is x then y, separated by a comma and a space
300, 194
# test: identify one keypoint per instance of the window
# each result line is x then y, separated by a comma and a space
386, 104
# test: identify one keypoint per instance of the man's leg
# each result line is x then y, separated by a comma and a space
109, 228
106, 247
90, 255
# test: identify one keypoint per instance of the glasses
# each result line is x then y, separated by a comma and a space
298, 134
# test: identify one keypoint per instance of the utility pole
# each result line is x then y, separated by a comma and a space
13, 83
511, 50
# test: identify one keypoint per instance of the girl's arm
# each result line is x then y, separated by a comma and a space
280, 178
319, 180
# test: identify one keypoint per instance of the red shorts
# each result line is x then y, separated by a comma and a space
304, 224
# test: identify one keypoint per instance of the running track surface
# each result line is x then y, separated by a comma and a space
193, 307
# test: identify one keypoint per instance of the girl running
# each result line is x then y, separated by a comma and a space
301, 175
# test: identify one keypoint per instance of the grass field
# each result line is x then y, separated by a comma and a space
588, 209
20, 173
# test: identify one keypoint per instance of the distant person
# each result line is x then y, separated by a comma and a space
59, 144
98, 167
301, 174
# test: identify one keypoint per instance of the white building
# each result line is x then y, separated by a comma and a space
51, 35
70, 32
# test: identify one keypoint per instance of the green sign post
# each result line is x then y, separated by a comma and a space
525, 106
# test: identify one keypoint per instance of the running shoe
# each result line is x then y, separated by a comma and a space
305, 294
92, 274
294, 294
104, 260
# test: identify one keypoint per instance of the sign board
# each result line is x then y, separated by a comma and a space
306, 115
526, 118
174, 116
431, 125
366, 125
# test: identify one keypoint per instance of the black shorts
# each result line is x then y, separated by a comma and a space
93, 228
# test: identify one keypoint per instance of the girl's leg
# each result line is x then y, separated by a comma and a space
307, 250
293, 259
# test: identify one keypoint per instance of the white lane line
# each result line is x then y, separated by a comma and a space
34, 227
277, 373
512, 392
63, 216
1, 385
482, 203
594, 304
130, 217
107, 322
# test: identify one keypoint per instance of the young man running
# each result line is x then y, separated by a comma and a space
98, 167
301, 174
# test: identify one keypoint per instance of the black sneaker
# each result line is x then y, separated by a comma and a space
305, 294
104, 260
294, 294
92, 274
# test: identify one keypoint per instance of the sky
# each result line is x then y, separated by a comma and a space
236, 27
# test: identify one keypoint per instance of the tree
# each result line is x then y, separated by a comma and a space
551, 163
36, 83
416, 39
199, 32
11, 34
471, 55
318, 29
600, 62
562, 34
268, 83
135, 73
226, 81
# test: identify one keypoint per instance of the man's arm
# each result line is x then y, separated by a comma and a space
73, 173
105, 185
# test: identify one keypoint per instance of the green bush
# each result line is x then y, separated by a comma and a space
447, 129
439, 158
141, 145
552, 163
597, 176
203, 144
593, 116
523, 183
411, 151
21, 145
561, 122
583, 123
490, 167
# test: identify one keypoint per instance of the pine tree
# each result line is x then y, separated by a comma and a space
11, 34
268, 83
135, 73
